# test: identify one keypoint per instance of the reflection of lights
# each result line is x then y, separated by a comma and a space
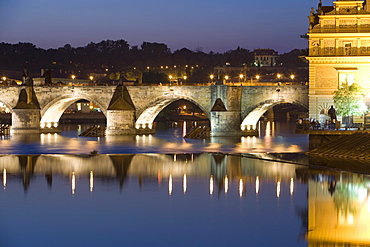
174, 157
268, 128
226, 184
91, 181
362, 194
184, 184
184, 128
211, 185
291, 186
278, 189
73, 183
159, 177
257, 184
170, 185
240, 187
4, 177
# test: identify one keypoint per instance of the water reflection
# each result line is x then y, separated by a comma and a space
219, 168
339, 209
336, 212
164, 141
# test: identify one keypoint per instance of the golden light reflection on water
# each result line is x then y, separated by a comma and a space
184, 184
257, 184
73, 183
4, 178
226, 184
278, 188
211, 185
91, 181
291, 187
170, 184
240, 187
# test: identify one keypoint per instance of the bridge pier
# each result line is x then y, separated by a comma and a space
225, 123
25, 121
120, 122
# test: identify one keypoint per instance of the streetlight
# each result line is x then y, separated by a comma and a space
91, 79
170, 77
226, 78
278, 76
73, 79
257, 77
292, 77
4, 79
185, 77
211, 77
241, 76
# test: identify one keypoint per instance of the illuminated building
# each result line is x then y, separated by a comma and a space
339, 51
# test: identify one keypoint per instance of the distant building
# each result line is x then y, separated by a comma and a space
265, 57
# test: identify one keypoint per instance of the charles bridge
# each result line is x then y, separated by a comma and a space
232, 110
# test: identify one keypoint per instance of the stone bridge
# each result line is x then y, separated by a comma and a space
232, 110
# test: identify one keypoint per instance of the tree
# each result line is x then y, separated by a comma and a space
348, 101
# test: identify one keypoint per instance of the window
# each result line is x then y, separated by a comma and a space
346, 77
347, 48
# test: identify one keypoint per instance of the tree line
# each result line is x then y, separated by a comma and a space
112, 57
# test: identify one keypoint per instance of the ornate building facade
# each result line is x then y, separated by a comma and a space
339, 51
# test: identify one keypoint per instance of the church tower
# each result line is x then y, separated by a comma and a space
339, 51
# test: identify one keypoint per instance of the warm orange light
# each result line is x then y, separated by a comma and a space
278, 76
211, 185
211, 76
91, 181
170, 185
257, 77
185, 77
226, 77
292, 77
73, 77
241, 76
91, 77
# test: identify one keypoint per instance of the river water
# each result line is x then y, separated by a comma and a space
163, 190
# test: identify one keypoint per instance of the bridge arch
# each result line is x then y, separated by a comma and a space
148, 115
252, 117
4, 106
52, 112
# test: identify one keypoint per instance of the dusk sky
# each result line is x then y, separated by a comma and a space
214, 25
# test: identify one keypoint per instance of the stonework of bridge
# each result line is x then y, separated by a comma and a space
232, 110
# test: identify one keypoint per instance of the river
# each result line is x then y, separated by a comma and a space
163, 190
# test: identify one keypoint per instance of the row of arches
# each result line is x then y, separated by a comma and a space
161, 109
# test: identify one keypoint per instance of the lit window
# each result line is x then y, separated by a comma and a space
346, 78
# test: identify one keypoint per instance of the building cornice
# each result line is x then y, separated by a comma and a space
338, 60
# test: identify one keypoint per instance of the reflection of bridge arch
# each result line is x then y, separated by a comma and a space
146, 118
52, 112
251, 119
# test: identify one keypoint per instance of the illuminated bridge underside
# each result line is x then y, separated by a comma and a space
52, 113
148, 116
251, 120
